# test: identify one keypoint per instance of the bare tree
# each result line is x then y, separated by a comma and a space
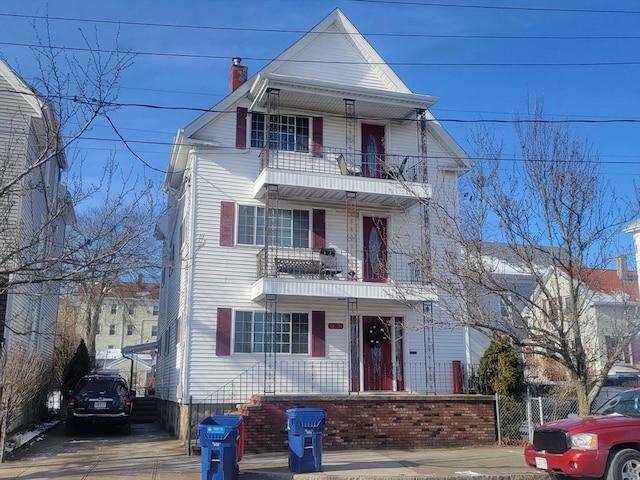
67, 336
110, 243
25, 384
41, 121
556, 223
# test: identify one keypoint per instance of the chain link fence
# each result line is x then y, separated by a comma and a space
516, 420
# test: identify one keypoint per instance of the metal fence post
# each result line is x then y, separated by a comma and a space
529, 418
498, 422
189, 426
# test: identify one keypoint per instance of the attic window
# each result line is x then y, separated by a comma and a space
286, 132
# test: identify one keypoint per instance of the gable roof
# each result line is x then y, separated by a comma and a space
609, 282
328, 64
361, 73
21, 87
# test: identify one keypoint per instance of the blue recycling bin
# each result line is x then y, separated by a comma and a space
220, 444
305, 427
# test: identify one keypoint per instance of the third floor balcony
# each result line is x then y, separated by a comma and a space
390, 181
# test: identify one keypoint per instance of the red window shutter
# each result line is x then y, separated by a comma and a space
318, 238
223, 332
241, 127
316, 136
227, 223
317, 334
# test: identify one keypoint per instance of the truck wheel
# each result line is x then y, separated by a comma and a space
625, 465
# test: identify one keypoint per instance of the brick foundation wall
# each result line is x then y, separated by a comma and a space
376, 421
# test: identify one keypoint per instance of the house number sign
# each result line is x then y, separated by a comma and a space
336, 326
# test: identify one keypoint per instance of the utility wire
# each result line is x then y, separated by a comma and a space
497, 7
299, 32
331, 62
102, 103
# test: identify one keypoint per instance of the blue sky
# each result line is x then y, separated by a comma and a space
484, 59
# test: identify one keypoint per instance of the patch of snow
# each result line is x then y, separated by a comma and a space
16, 440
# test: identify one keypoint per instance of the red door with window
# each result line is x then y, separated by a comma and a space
375, 249
376, 352
373, 154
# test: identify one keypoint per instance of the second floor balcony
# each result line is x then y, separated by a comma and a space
332, 272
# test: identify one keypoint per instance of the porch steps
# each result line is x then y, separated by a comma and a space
145, 410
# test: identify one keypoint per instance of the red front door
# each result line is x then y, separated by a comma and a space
373, 154
375, 249
376, 352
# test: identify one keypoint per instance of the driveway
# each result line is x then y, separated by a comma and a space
148, 453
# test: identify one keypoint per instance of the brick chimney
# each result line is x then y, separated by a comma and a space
238, 74
621, 264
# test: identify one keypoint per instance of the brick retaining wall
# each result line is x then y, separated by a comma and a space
376, 421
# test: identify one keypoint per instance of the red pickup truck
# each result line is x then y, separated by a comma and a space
603, 445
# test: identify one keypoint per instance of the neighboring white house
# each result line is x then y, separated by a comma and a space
607, 303
34, 210
128, 316
128, 324
293, 206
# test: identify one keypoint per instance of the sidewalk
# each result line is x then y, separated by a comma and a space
150, 453
482, 463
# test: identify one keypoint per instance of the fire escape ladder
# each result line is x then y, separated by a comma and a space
352, 235
272, 120
354, 344
429, 349
270, 230
425, 265
350, 131
271, 313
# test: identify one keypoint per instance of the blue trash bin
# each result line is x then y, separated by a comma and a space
305, 427
219, 436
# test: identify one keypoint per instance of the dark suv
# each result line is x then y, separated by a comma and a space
99, 398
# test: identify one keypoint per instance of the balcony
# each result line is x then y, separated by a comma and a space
398, 182
304, 272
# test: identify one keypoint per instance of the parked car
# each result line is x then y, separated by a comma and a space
100, 398
603, 445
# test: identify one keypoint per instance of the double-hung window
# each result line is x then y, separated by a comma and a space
288, 228
257, 332
286, 132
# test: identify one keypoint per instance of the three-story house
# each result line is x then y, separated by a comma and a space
299, 232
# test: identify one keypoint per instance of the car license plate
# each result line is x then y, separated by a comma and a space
99, 404
541, 463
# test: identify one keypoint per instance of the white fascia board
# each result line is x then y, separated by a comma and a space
633, 228
177, 160
337, 90
28, 94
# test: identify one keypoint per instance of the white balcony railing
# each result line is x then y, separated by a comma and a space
403, 168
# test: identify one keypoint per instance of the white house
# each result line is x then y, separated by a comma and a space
607, 302
298, 231
34, 210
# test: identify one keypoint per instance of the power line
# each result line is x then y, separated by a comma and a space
497, 7
334, 62
299, 32
102, 103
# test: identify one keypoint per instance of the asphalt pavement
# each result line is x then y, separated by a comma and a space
150, 453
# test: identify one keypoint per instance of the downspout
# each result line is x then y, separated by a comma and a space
186, 390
